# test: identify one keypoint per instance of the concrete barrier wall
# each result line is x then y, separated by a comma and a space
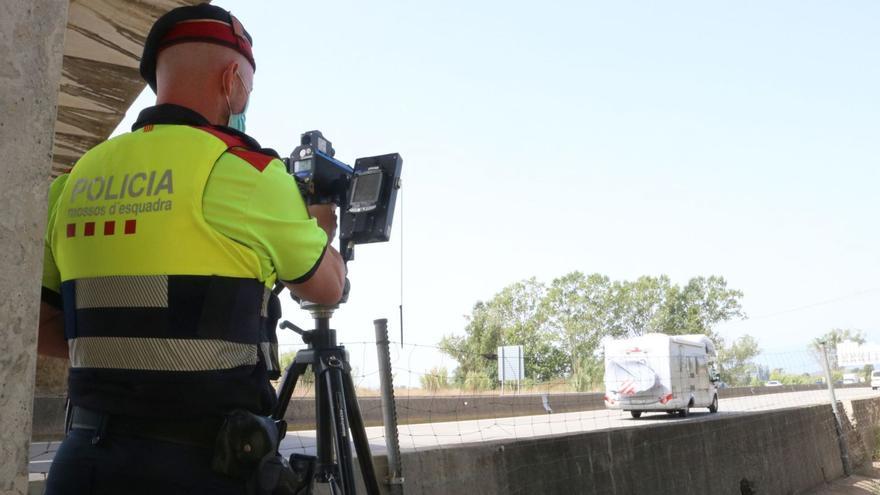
862, 428
777, 452
785, 451
432, 409
49, 411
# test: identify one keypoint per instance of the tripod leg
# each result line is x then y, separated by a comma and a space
326, 469
340, 426
359, 435
288, 382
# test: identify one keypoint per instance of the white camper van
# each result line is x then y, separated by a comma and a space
657, 372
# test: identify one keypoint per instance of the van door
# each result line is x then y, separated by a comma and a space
692, 378
679, 371
704, 384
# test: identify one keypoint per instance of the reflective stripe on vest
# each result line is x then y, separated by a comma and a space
147, 284
135, 291
154, 354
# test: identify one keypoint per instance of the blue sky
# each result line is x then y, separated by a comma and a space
685, 138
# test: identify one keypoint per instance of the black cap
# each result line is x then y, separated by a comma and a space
205, 23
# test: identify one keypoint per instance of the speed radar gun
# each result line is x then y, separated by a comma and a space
366, 195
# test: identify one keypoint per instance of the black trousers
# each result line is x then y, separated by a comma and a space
128, 465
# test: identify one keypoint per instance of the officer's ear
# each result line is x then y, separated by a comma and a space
228, 79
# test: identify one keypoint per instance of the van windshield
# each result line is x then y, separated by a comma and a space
875, 374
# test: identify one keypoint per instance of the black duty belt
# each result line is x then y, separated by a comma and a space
198, 432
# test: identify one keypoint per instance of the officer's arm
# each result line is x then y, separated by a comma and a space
275, 222
50, 341
327, 283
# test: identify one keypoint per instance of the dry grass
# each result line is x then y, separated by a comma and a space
559, 387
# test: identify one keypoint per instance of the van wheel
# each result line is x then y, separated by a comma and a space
713, 407
683, 413
636, 414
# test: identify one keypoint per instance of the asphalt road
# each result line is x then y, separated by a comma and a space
434, 435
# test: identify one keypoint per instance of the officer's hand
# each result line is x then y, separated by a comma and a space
326, 217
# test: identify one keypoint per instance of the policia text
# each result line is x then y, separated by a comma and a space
129, 186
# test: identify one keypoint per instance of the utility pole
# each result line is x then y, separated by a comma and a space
389, 409
838, 424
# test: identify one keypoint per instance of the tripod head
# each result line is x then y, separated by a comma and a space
321, 313
322, 336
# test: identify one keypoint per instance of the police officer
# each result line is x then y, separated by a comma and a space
162, 248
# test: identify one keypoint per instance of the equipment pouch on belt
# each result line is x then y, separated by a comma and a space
247, 448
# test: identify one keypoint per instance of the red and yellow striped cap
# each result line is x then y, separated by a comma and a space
203, 23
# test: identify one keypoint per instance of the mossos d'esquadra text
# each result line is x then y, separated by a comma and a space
92, 195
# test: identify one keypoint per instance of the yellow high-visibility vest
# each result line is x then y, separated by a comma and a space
158, 304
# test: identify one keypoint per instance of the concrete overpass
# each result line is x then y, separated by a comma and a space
68, 72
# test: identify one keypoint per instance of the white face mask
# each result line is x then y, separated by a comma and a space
237, 120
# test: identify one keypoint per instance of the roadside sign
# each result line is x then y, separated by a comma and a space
851, 354
511, 365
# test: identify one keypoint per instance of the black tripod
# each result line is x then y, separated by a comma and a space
337, 413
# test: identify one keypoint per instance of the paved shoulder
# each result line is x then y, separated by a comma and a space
864, 483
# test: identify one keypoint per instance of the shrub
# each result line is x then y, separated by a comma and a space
435, 379
476, 381
589, 375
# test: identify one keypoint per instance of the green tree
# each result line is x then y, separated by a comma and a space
511, 317
867, 370
838, 335
697, 307
639, 302
561, 326
579, 311
735, 361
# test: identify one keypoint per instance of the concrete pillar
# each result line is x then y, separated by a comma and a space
31, 49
